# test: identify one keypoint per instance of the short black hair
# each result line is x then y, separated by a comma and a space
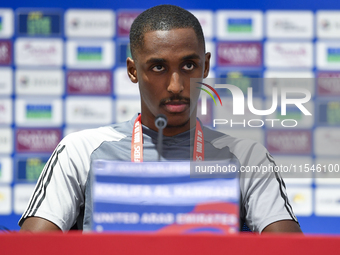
162, 17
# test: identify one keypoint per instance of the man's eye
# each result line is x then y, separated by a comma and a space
158, 68
188, 66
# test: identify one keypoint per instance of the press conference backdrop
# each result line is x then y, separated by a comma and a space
63, 69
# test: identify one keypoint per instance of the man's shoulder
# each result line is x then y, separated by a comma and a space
220, 140
95, 135
243, 148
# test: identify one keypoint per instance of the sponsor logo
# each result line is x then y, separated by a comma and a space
239, 54
327, 141
6, 23
239, 25
89, 24
30, 169
39, 82
289, 54
327, 201
38, 111
333, 55
301, 200
22, 194
242, 25
5, 111
37, 23
125, 20
92, 23
287, 25
39, 52
329, 113
6, 81
37, 140
89, 111
126, 109
94, 82
5, 53
23, 81
289, 142
6, 170
328, 24
328, 84
296, 24
74, 23
5, 200
89, 53
328, 55
6, 140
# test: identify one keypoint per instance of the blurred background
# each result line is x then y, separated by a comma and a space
62, 69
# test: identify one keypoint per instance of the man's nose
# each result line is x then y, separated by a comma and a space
176, 83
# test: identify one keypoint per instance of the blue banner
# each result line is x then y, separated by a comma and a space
162, 198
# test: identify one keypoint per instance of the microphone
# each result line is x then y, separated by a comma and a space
160, 122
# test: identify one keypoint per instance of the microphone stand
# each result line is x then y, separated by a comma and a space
160, 122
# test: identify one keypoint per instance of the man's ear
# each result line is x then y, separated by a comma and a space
206, 64
131, 70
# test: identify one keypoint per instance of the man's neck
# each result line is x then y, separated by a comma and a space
171, 130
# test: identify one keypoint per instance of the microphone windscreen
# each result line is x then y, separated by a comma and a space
161, 121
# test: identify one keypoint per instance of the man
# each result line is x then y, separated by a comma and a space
168, 48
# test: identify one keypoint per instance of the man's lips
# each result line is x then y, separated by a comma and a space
176, 106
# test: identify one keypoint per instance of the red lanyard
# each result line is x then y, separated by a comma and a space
137, 142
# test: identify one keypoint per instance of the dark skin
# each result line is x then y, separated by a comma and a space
163, 68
